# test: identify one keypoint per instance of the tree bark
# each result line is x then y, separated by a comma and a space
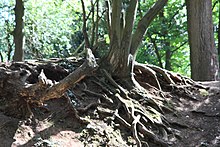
219, 32
144, 23
153, 40
120, 44
86, 38
9, 44
115, 37
166, 43
203, 55
18, 32
123, 44
58, 89
168, 57
1, 57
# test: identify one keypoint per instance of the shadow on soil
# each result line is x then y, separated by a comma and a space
56, 127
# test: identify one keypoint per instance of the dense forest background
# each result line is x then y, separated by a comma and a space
70, 65
53, 28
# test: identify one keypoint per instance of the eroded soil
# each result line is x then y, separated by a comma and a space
196, 122
54, 128
200, 119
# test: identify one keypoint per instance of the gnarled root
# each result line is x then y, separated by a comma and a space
138, 116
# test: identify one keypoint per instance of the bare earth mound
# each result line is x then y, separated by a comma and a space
86, 116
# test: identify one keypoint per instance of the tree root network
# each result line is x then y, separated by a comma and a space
140, 109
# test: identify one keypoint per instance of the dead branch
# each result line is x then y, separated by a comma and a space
57, 90
85, 34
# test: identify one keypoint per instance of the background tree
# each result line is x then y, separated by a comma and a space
166, 41
6, 30
216, 21
44, 38
133, 91
19, 31
203, 55
123, 43
47, 37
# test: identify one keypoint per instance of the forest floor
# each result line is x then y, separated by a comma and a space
196, 122
199, 119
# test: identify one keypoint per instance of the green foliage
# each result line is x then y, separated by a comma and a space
52, 28
6, 27
215, 9
168, 32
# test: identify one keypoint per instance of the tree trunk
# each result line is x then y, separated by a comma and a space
166, 43
168, 57
8, 41
86, 38
219, 32
118, 57
144, 23
1, 57
219, 36
153, 40
203, 55
18, 32
124, 45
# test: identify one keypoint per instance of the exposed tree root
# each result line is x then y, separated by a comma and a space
137, 116
75, 112
41, 91
125, 102
150, 72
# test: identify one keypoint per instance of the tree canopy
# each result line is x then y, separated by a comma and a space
54, 29
111, 64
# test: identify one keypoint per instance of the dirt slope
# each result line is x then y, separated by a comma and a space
195, 121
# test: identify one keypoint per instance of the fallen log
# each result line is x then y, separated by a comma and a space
58, 89
21, 94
